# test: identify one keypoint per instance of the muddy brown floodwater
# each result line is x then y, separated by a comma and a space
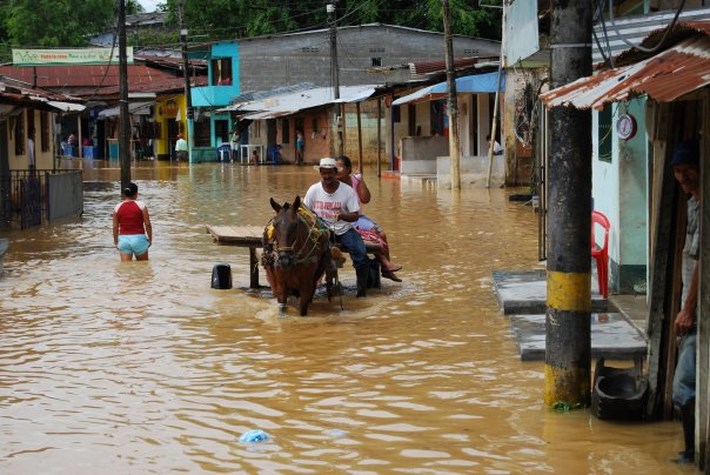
141, 368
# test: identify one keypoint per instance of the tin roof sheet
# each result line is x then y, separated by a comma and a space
86, 79
286, 104
466, 84
664, 77
17, 93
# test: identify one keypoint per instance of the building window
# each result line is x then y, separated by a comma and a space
604, 134
285, 131
256, 129
395, 114
201, 132
314, 125
44, 130
412, 120
376, 62
221, 131
222, 72
19, 135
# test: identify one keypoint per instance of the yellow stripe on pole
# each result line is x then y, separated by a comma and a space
569, 291
569, 386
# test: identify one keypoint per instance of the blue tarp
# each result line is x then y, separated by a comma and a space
477, 83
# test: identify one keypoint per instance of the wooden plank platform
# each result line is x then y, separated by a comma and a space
241, 236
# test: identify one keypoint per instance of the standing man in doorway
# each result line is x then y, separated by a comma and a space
180, 149
686, 170
31, 161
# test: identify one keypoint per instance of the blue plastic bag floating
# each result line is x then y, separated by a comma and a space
254, 435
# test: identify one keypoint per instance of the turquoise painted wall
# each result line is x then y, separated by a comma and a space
620, 191
219, 96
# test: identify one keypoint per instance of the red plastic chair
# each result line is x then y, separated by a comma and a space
601, 253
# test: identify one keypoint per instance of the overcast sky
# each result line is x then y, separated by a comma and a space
150, 5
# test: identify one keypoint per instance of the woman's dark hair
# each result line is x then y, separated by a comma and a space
346, 161
131, 190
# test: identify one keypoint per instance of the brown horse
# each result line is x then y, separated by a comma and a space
297, 254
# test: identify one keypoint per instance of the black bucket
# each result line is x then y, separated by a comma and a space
222, 276
619, 393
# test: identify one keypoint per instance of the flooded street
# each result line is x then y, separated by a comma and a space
111, 368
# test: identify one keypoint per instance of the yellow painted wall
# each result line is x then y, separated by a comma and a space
43, 160
167, 108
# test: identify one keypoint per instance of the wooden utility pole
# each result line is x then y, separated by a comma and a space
124, 129
335, 73
379, 136
186, 77
452, 102
569, 300
494, 125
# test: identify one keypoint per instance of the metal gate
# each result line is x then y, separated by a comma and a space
30, 202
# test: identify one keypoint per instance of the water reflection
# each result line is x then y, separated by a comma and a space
112, 367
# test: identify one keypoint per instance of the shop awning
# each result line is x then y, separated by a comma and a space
135, 108
664, 77
66, 106
476, 83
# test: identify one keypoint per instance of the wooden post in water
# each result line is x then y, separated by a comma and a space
359, 137
452, 100
379, 136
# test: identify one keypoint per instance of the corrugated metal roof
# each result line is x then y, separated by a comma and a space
439, 65
636, 29
16, 93
664, 77
136, 108
286, 104
85, 77
466, 84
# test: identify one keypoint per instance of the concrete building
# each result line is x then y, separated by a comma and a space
365, 53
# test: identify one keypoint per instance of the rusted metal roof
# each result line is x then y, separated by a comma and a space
665, 76
439, 65
79, 80
158, 86
16, 93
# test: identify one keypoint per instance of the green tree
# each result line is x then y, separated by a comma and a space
57, 23
224, 19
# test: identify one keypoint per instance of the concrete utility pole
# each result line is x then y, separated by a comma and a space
124, 128
569, 302
335, 72
186, 76
452, 101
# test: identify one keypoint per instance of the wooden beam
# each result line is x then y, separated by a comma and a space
703, 386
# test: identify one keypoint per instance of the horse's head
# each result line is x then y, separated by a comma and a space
285, 231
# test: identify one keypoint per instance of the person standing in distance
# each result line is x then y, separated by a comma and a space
299, 147
132, 231
686, 170
180, 149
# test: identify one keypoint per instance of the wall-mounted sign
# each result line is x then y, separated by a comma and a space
626, 126
48, 57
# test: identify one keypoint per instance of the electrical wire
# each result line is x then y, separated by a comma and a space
639, 47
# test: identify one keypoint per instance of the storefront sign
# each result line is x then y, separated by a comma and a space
48, 57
